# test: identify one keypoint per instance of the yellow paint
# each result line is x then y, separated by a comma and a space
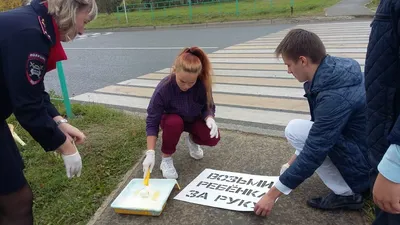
146, 179
240, 80
248, 66
153, 76
155, 196
139, 212
259, 81
139, 91
148, 74
177, 186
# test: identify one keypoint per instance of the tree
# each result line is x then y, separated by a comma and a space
108, 6
10, 4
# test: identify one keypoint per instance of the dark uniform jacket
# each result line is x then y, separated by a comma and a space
29, 47
382, 81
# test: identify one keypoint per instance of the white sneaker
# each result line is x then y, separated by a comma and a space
195, 150
168, 169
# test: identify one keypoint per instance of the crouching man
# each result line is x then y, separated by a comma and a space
333, 143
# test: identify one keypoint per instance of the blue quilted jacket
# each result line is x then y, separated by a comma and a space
337, 103
382, 79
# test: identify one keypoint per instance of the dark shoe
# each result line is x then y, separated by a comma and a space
333, 201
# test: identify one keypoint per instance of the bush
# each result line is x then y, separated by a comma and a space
10, 4
108, 6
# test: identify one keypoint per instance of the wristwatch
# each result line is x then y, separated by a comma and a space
61, 121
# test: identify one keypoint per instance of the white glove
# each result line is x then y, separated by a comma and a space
284, 168
148, 162
73, 164
213, 127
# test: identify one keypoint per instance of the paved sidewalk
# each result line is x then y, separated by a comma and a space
350, 8
237, 152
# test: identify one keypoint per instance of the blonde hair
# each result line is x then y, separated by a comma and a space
64, 12
194, 60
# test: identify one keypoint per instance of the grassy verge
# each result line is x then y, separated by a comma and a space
214, 12
373, 4
115, 142
368, 210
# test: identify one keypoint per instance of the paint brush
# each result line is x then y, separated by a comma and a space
146, 178
145, 191
15, 135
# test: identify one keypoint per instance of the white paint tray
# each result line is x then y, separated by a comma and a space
130, 202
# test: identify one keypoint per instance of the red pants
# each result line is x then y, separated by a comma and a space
173, 126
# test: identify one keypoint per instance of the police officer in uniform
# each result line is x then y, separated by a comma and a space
30, 46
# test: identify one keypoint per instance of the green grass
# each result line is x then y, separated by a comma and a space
373, 4
115, 141
214, 12
368, 210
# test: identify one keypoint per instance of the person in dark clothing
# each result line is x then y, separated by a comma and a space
382, 82
333, 143
30, 46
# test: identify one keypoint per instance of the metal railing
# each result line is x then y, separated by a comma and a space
193, 9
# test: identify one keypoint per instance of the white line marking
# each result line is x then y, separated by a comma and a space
224, 112
137, 48
247, 73
232, 89
244, 73
334, 50
258, 60
255, 43
270, 37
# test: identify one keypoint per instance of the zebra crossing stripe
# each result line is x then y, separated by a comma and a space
250, 83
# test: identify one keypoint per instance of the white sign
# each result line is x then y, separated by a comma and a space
227, 190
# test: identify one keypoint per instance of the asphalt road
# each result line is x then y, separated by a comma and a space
103, 59
350, 8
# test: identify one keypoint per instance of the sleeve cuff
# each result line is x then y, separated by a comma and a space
152, 132
389, 166
206, 114
55, 142
282, 188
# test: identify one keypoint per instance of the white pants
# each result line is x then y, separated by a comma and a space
296, 133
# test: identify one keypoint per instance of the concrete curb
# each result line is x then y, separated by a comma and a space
293, 20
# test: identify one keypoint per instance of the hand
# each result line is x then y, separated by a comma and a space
213, 127
72, 133
148, 162
264, 205
387, 195
72, 159
284, 168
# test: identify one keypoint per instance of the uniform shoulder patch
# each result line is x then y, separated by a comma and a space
35, 68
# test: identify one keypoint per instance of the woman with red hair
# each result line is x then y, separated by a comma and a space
182, 102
